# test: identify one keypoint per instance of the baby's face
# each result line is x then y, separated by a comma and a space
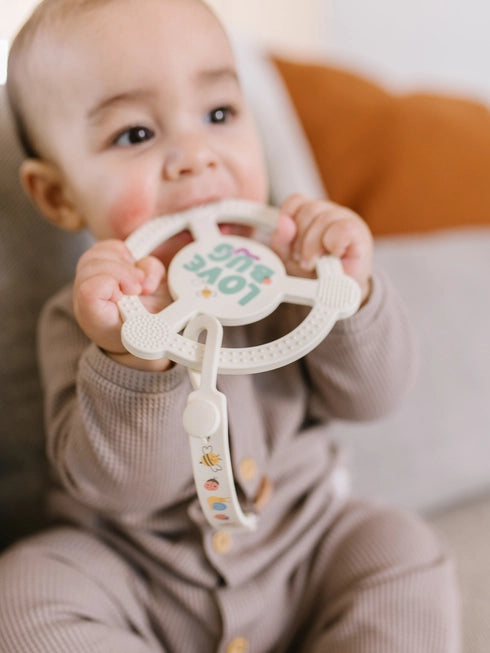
145, 115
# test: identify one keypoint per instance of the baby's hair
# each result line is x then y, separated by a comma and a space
47, 15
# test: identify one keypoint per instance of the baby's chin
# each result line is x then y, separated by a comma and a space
168, 249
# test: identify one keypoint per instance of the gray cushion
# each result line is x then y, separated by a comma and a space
36, 259
433, 451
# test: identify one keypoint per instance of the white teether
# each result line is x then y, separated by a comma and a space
237, 280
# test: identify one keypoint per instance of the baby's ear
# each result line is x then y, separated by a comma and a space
44, 184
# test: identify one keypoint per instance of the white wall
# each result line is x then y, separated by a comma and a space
12, 14
430, 44
443, 44
283, 25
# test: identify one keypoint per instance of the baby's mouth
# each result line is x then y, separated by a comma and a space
233, 229
167, 250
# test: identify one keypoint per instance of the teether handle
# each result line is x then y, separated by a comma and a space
205, 419
202, 414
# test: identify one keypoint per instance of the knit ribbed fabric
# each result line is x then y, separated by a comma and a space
140, 570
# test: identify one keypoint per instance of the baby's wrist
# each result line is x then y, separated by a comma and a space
129, 360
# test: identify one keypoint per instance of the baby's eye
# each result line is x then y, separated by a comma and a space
133, 136
220, 115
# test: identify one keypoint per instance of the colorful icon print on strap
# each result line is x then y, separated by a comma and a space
211, 459
212, 484
219, 505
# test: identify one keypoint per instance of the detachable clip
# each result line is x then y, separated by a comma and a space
205, 420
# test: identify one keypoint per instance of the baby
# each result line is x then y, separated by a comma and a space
131, 109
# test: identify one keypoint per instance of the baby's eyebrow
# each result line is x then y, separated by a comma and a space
213, 75
117, 98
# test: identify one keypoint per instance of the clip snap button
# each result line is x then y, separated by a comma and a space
201, 418
264, 494
248, 469
222, 542
238, 645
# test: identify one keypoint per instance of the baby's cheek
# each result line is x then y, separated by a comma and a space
133, 207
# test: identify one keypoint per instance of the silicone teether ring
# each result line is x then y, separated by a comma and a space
226, 276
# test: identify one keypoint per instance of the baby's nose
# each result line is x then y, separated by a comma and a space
189, 155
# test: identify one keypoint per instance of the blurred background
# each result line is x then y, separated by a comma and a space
429, 44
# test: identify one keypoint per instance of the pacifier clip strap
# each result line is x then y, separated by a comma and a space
205, 420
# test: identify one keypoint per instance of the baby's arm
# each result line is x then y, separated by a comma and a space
365, 365
115, 437
104, 273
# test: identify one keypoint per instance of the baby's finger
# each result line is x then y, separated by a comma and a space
291, 205
96, 311
112, 250
283, 236
154, 272
312, 243
347, 237
126, 275
306, 216
351, 241
338, 238
97, 291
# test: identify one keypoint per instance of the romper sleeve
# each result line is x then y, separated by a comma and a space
367, 363
115, 439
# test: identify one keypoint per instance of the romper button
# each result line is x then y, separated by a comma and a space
264, 494
238, 645
222, 542
248, 469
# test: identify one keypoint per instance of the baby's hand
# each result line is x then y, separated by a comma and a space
308, 229
104, 273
